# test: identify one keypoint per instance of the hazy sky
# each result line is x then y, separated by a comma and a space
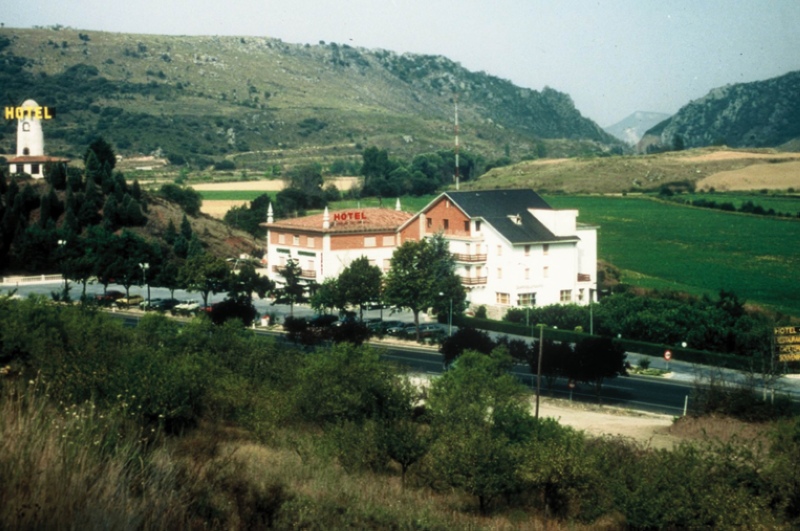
612, 57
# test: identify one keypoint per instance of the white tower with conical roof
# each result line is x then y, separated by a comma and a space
30, 138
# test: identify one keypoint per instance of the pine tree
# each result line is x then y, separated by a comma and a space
186, 228
170, 233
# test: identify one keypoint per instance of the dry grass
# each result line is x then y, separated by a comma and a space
726, 169
720, 429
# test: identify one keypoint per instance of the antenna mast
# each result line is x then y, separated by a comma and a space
455, 100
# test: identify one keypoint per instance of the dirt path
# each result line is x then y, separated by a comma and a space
647, 428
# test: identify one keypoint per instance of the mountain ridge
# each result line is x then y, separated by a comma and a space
755, 114
217, 96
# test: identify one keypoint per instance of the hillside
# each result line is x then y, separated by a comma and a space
258, 100
759, 114
723, 169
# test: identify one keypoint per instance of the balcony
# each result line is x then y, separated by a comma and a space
473, 281
584, 277
469, 258
304, 273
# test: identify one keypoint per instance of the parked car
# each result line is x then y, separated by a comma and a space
186, 308
109, 296
399, 330
127, 302
426, 331
323, 321
161, 305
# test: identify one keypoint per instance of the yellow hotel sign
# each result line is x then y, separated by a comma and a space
21, 113
787, 343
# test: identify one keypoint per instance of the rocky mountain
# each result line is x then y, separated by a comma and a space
757, 114
203, 99
631, 129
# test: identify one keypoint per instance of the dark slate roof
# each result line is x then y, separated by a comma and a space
498, 207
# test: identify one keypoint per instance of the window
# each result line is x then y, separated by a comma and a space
310, 241
388, 241
499, 250
26, 126
527, 250
546, 249
296, 240
499, 273
446, 224
429, 222
281, 238
369, 241
26, 151
477, 226
35, 169
387, 264
466, 226
310, 265
527, 273
372, 262
503, 298
527, 299
546, 272
566, 295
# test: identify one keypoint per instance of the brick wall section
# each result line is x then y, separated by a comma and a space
340, 242
289, 239
440, 212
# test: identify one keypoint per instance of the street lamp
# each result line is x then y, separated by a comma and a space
145, 266
539, 369
450, 317
61, 245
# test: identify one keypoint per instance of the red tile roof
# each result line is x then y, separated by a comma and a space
350, 220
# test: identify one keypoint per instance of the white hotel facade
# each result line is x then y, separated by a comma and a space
510, 247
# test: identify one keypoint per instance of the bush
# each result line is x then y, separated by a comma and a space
188, 199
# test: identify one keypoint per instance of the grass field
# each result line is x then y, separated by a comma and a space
669, 246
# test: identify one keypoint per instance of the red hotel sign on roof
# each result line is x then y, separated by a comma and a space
346, 217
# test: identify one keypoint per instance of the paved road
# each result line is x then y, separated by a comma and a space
663, 395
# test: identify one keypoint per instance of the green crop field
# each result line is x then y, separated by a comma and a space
670, 246
233, 195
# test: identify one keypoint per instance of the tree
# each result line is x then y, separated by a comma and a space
103, 152
420, 271
360, 283
327, 296
466, 338
246, 282
481, 423
167, 276
293, 290
595, 359
205, 274
129, 251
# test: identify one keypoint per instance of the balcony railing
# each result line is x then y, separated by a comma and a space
304, 273
473, 281
472, 258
